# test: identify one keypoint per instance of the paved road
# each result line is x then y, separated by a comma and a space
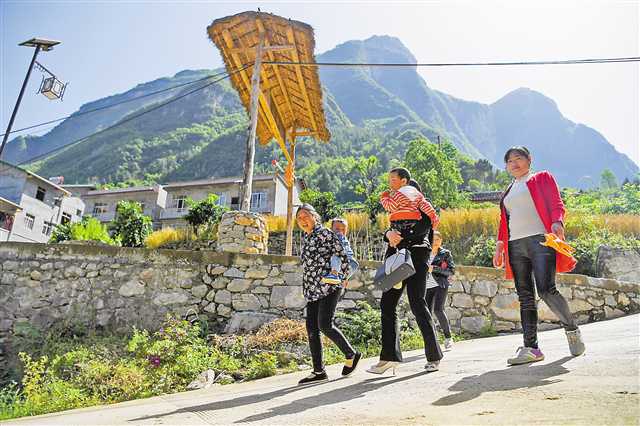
474, 386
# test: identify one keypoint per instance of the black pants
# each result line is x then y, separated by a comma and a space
320, 315
531, 262
416, 291
436, 298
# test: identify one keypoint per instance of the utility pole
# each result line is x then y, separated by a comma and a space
40, 44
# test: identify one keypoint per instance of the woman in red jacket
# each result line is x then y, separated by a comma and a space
530, 207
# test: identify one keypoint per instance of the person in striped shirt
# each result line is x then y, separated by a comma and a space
405, 203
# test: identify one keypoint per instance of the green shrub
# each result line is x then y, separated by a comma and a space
587, 248
204, 213
262, 365
130, 225
362, 327
90, 229
481, 252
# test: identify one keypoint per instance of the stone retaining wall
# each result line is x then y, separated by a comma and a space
117, 288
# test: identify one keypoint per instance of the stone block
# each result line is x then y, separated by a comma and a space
270, 281
473, 324
293, 278
287, 297
223, 297
220, 283
233, 273
245, 302
199, 291
452, 313
504, 326
248, 321
172, 298
484, 288
462, 301
238, 285
254, 273
346, 304
224, 311
212, 308
579, 305
131, 288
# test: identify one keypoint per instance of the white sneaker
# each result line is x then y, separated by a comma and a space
432, 366
448, 344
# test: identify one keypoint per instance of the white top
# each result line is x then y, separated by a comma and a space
524, 220
431, 282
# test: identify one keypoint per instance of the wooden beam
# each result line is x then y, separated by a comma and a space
249, 158
288, 251
248, 50
292, 39
276, 71
267, 115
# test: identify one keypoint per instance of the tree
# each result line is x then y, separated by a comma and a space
608, 180
130, 225
204, 212
324, 203
368, 173
436, 169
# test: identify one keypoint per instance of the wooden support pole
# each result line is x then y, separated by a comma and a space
247, 182
288, 251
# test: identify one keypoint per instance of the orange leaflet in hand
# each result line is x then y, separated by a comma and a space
553, 241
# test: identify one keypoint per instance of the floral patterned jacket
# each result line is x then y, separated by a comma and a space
317, 249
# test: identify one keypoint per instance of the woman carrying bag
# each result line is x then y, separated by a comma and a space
405, 204
441, 270
530, 208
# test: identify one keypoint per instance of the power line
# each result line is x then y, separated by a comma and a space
133, 117
117, 103
348, 64
455, 64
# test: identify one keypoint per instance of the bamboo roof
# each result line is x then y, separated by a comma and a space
290, 97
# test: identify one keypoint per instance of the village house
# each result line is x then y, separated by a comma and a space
31, 206
167, 204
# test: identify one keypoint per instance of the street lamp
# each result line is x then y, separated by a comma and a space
39, 44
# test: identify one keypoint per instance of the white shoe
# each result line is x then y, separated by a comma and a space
448, 344
432, 366
383, 366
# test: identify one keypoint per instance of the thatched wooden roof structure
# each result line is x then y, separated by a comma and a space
290, 97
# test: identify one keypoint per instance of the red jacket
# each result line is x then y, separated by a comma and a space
546, 198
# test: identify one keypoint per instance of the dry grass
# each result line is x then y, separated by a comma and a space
465, 223
168, 235
578, 223
276, 223
282, 330
462, 223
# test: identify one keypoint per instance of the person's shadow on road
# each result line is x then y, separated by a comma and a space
516, 377
331, 396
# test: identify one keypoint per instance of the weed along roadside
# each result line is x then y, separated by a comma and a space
71, 367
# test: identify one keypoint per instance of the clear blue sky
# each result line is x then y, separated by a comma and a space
109, 47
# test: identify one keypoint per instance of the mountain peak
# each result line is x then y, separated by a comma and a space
377, 48
525, 96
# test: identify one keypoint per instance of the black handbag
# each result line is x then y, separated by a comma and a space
396, 268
